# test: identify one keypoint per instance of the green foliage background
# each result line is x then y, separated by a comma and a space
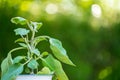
92, 43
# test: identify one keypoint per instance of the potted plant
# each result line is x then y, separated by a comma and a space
12, 68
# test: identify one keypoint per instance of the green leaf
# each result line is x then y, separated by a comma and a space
36, 51
44, 54
45, 70
22, 44
27, 70
6, 63
13, 71
19, 40
59, 52
21, 31
38, 39
36, 25
19, 20
33, 64
55, 66
18, 59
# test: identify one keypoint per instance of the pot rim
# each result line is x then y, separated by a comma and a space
35, 75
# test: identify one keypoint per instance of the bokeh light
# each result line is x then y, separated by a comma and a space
51, 8
96, 10
25, 5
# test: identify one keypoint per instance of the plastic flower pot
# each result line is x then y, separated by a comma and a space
34, 77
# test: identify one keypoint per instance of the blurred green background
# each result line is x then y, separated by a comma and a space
88, 29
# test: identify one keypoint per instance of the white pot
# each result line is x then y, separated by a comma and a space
34, 77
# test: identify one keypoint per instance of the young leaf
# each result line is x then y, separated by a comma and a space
38, 39
22, 44
59, 51
36, 25
19, 20
36, 51
45, 70
18, 59
13, 71
33, 64
21, 31
44, 54
6, 63
50, 61
27, 70
19, 40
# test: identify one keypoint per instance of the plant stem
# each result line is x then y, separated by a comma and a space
32, 38
27, 61
16, 49
31, 28
27, 42
33, 35
38, 58
45, 36
29, 48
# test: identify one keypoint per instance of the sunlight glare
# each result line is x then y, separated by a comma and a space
96, 10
